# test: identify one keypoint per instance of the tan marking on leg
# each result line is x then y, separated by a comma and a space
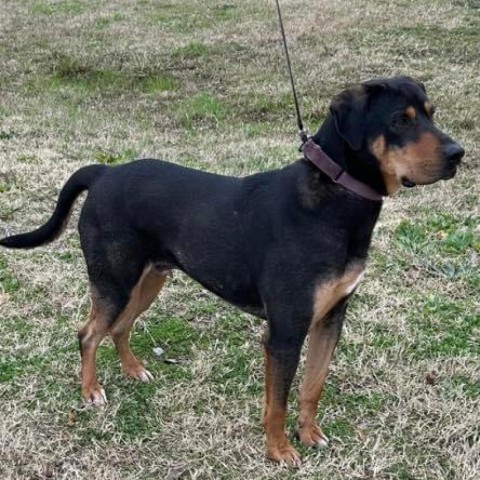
279, 448
90, 337
322, 341
327, 294
321, 345
141, 297
266, 393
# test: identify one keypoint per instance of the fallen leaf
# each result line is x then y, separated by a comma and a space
72, 418
431, 378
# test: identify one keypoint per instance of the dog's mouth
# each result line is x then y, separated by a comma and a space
408, 183
447, 175
450, 173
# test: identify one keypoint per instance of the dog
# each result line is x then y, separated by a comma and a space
288, 245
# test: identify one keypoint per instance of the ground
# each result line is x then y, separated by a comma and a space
204, 84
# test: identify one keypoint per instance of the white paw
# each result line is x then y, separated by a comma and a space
323, 442
144, 376
96, 397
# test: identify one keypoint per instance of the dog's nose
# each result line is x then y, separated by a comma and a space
453, 153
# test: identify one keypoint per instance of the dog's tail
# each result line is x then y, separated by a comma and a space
81, 180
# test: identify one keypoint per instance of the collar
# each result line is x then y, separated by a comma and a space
324, 163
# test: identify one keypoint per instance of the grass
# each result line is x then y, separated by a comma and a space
203, 108
204, 84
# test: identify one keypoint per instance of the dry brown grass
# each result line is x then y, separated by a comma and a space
204, 84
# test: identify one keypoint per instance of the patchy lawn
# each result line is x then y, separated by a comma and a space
204, 84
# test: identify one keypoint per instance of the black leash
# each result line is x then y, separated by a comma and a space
301, 130
314, 153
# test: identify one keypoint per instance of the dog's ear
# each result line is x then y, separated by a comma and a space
348, 111
420, 84
416, 82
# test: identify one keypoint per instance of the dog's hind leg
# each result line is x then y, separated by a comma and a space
116, 263
102, 312
114, 310
142, 296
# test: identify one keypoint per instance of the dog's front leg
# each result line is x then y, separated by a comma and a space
282, 348
323, 338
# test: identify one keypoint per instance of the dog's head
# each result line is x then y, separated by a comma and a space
391, 122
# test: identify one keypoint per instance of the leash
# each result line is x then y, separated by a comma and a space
313, 152
301, 130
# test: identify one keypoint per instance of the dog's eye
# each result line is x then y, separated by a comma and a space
402, 121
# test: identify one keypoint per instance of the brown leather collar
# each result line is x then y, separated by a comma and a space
323, 162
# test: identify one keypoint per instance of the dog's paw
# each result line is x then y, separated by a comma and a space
312, 436
283, 452
94, 395
139, 373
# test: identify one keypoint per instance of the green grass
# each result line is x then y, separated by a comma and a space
6, 135
192, 50
158, 83
112, 158
443, 328
204, 84
69, 7
443, 246
8, 280
202, 109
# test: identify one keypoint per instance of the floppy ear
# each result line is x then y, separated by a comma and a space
421, 85
348, 110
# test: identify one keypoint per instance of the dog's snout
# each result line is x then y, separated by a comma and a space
453, 153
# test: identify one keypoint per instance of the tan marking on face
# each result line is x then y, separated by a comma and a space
420, 161
329, 293
379, 149
411, 112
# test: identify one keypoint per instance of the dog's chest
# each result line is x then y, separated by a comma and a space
329, 292
350, 281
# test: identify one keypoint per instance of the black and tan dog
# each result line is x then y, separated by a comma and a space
289, 245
